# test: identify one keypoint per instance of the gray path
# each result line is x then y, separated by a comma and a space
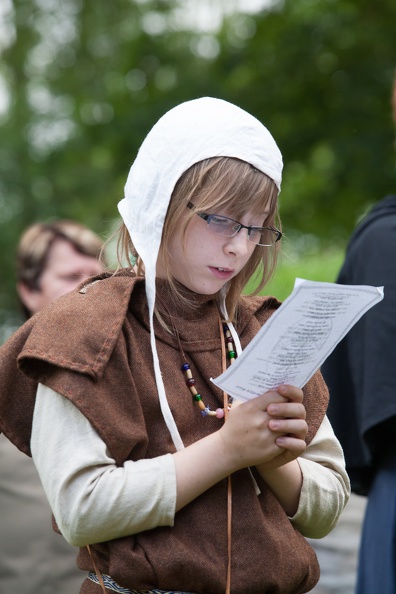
337, 552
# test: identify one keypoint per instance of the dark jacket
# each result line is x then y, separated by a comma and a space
361, 371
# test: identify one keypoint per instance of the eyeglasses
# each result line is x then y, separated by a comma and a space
264, 236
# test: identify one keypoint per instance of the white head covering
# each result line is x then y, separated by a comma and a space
192, 131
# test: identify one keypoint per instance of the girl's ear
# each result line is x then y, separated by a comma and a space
31, 298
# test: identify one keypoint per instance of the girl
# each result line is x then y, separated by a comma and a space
163, 482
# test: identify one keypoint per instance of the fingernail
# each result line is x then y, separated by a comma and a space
273, 409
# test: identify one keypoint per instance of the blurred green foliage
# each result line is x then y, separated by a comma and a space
82, 81
323, 266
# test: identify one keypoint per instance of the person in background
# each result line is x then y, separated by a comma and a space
52, 259
361, 375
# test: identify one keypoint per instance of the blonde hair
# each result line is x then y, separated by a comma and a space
219, 184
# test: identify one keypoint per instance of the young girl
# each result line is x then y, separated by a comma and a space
164, 483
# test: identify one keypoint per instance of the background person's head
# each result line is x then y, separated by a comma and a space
52, 259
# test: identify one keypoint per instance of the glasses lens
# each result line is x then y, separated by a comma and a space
223, 225
228, 227
263, 236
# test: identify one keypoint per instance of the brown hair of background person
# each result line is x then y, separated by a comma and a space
50, 258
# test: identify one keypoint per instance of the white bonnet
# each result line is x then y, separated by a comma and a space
188, 133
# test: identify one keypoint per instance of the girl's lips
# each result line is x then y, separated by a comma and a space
222, 273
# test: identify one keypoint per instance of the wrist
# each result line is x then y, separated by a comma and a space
286, 483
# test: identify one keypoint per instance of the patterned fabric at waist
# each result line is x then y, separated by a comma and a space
110, 584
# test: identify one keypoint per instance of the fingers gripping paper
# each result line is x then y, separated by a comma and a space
298, 337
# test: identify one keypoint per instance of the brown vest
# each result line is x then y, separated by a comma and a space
93, 348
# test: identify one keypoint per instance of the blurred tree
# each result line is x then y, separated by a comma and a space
319, 73
81, 83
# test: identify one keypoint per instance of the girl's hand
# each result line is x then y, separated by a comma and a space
288, 424
267, 431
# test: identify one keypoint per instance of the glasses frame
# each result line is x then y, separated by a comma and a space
208, 217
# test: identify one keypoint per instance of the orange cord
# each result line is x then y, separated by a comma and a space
96, 570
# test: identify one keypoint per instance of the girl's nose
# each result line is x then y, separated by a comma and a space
239, 244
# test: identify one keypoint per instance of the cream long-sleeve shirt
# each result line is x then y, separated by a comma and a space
94, 500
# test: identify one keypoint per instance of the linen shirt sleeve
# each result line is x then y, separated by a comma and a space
92, 499
326, 487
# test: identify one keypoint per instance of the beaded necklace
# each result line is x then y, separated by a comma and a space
205, 410
219, 413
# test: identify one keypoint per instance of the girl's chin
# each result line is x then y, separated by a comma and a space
206, 289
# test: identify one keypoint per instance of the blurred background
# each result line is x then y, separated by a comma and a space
82, 82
